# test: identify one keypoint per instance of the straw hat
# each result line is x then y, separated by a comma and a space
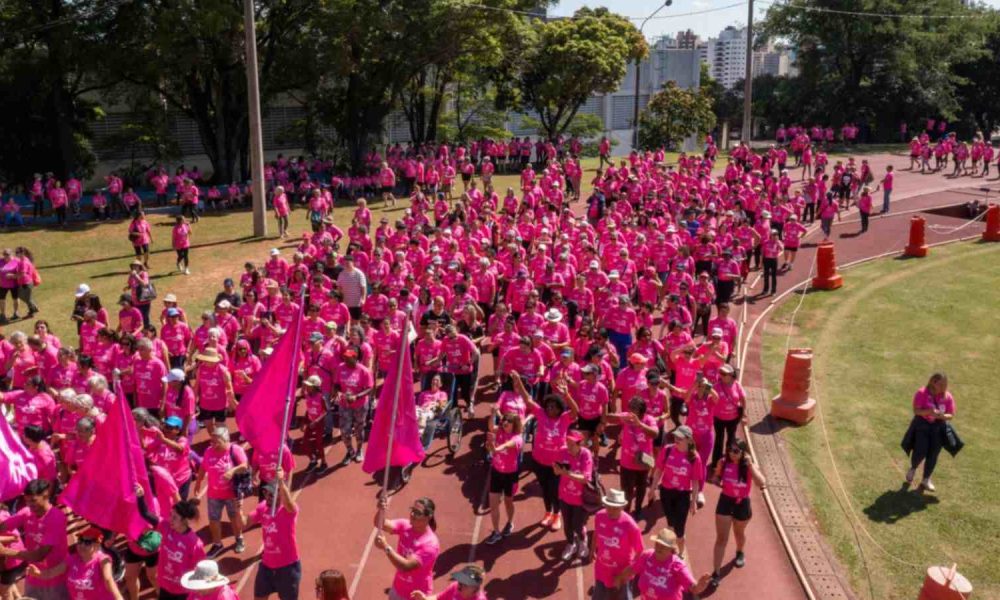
205, 576
210, 355
665, 537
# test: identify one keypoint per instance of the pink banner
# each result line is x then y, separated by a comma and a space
18, 465
406, 446
103, 490
261, 412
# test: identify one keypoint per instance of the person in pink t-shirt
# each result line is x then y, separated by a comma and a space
575, 467
661, 573
280, 570
736, 471
88, 569
43, 529
206, 583
222, 461
678, 474
180, 237
281, 210
140, 234
504, 442
415, 553
933, 408
180, 549
616, 543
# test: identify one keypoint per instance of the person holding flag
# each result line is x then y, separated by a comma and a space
417, 550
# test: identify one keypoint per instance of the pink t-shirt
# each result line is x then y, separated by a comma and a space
47, 530
679, 473
924, 400
662, 580
280, 546
176, 462
148, 375
215, 463
570, 490
550, 436
505, 461
634, 440
422, 547
179, 553
731, 398
84, 580
181, 236
616, 544
592, 399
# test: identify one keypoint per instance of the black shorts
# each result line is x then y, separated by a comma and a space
140, 250
730, 507
131, 558
355, 312
676, 504
502, 483
219, 416
283, 581
466, 177
588, 425
165, 595
386, 189
12, 291
12, 576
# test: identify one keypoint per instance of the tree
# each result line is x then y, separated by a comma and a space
674, 114
880, 70
47, 55
190, 53
575, 58
981, 88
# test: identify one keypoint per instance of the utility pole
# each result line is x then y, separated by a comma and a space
748, 75
638, 72
256, 137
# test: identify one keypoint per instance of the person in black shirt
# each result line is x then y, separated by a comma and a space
436, 315
229, 293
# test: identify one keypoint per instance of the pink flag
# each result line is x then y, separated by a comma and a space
18, 465
406, 445
103, 490
261, 412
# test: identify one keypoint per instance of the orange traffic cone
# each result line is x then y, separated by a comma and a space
826, 263
794, 403
992, 233
917, 246
943, 583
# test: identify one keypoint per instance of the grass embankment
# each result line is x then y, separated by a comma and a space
876, 341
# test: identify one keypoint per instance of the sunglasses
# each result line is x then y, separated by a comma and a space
416, 511
735, 450
86, 542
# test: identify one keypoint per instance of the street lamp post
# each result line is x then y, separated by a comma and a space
638, 70
748, 76
256, 137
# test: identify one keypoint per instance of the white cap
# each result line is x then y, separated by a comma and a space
223, 304
595, 265
275, 252
173, 376
613, 274
82, 290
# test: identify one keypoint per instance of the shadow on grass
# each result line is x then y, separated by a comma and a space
239, 240
897, 504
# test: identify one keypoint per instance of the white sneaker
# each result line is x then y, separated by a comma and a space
583, 551
187, 271
909, 475
569, 551
928, 485
701, 499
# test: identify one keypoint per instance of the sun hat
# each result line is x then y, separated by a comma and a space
82, 290
683, 431
470, 575
205, 576
170, 298
665, 537
553, 315
614, 499
173, 376
173, 421
210, 355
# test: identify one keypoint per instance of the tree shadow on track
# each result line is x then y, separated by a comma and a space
540, 582
897, 504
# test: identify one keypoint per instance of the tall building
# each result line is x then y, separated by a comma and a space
687, 40
726, 55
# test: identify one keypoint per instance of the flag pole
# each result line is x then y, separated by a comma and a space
290, 391
404, 338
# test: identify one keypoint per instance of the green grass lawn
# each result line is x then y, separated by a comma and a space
876, 341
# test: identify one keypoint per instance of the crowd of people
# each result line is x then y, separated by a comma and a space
608, 325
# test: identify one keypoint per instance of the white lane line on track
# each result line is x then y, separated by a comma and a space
361, 565
479, 518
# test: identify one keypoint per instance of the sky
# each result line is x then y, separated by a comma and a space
676, 18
